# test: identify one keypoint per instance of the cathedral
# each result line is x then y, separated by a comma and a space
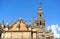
21, 30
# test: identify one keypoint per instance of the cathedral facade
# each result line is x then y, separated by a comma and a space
21, 30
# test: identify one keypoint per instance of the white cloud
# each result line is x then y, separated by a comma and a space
55, 30
59, 29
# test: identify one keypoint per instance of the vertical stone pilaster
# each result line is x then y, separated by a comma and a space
31, 35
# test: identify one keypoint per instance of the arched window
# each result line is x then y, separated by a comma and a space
40, 23
40, 15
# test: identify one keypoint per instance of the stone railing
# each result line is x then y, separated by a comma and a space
18, 38
25, 38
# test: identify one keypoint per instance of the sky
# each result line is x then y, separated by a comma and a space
26, 9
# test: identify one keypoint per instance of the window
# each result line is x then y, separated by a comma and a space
0, 35
40, 23
40, 15
37, 24
43, 24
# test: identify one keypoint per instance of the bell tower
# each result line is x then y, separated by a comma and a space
40, 22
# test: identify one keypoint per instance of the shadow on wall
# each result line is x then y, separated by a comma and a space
0, 35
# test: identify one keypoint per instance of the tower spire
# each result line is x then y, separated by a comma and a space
40, 11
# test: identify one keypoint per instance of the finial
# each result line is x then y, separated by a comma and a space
50, 29
19, 19
40, 10
12, 22
33, 18
40, 13
40, 3
40, 6
6, 22
2, 21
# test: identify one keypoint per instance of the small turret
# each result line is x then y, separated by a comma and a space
12, 22
50, 29
3, 24
7, 26
20, 20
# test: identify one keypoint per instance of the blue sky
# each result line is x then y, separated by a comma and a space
26, 9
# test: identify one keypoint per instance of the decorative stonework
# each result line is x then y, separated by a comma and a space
22, 30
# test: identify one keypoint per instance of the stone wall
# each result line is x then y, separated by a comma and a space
16, 35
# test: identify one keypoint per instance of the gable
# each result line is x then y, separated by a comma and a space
23, 26
14, 27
